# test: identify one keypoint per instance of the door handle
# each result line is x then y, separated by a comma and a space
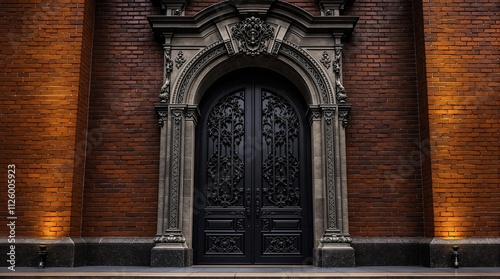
257, 202
248, 201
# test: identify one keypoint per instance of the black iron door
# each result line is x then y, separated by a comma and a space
253, 184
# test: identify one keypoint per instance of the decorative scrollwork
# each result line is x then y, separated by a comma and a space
226, 122
280, 127
225, 167
279, 120
224, 244
226, 172
252, 35
281, 244
280, 174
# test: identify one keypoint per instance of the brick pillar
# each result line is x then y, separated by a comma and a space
46, 57
458, 49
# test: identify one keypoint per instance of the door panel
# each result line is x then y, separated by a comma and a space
253, 179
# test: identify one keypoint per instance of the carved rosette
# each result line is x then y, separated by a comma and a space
252, 35
325, 60
180, 60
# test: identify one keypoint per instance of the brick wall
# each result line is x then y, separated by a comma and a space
462, 74
383, 146
44, 84
121, 179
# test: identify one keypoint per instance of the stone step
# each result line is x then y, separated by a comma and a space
253, 272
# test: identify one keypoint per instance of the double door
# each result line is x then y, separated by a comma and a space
252, 192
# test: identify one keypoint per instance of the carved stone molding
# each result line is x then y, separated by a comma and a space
253, 35
308, 63
208, 54
179, 238
177, 114
335, 238
329, 117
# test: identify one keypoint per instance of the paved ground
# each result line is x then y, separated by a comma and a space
392, 272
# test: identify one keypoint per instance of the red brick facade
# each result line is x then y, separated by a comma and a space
44, 83
121, 179
423, 154
459, 79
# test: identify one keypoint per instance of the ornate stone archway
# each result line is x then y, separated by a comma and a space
230, 35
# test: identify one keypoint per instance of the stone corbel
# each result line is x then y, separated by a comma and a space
331, 7
174, 7
162, 111
248, 8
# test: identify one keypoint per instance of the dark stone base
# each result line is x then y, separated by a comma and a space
334, 255
430, 252
170, 255
61, 252
474, 252
388, 251
119, 251
377, 251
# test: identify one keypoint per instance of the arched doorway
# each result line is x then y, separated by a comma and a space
253, 172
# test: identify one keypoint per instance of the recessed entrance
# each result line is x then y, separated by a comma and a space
253, 178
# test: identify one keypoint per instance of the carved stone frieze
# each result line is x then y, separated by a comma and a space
329, 116
335, 238
253, 35
175, 175
170, 239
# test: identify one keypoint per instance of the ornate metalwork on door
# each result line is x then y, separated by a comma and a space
280, 128
252, 179
225, 167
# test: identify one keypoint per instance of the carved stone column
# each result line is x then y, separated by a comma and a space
170, 249
334, 248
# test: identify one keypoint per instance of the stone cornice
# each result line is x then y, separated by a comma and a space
163, 24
